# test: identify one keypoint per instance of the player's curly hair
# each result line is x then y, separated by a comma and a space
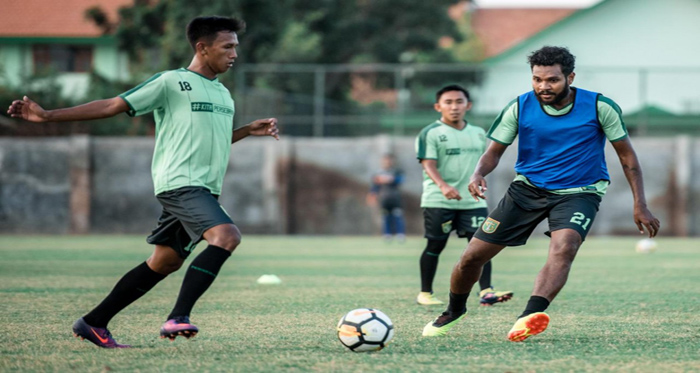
550, 56
207, 27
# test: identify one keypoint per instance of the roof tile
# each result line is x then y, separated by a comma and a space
54, 18
503, 28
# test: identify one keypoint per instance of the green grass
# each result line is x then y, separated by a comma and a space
620, 311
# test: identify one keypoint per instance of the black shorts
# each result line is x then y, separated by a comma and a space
439, 222
391, 206
525, 206
187, 213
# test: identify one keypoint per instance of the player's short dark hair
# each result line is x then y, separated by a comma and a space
450, 88
550, 56
207, 27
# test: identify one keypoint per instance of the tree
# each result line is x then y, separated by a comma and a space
330, 31
292, 31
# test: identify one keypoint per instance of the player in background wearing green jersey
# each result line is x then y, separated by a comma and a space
449, 150
194, 132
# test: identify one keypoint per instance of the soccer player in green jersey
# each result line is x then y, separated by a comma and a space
561, 176
194, 132
448, 150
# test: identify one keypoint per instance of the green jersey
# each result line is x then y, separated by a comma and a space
457, 153
194, 128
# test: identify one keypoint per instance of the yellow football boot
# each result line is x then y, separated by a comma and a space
427, 299
441, 325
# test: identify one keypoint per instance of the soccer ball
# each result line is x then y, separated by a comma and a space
365, 329
645, 246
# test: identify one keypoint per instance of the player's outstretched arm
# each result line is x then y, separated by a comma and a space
633, 172
487, 163
33, 112
260, 127
430, 167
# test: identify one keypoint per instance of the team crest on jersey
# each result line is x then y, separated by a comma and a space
447, 226
442, 138
490, 225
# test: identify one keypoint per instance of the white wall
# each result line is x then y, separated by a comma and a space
637, 52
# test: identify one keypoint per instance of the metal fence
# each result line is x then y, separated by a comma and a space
397, 99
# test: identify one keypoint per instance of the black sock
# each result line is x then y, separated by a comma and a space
535, 304
429, 263
199, 276
130, 287
485, 279
458, 303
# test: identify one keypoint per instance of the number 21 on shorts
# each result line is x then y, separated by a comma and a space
581, 220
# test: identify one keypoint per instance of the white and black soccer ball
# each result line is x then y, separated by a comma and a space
365, 329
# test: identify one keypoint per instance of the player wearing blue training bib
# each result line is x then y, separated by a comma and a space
561, 176
553, 164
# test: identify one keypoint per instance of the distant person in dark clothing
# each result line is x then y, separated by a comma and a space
386, 193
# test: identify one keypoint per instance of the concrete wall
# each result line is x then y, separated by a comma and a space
35, 186
295, 185
694, 189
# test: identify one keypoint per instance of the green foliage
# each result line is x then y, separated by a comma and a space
471, 48
121, 124
43, 85
138, 30
379, 31
386, 31
298, 44
46, 89
615, 313
100, 18
295, 31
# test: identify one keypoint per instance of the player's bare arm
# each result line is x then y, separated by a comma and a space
259, 127
371, 199
430, 167
487, 163
633, 172
33, 112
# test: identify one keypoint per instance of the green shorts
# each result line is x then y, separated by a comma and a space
187, 213
524, 207
439, 222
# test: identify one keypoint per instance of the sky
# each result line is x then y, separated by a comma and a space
536, 3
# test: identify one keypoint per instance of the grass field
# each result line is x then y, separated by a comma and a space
620, 311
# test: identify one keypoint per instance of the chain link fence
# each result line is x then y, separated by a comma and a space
397, 99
